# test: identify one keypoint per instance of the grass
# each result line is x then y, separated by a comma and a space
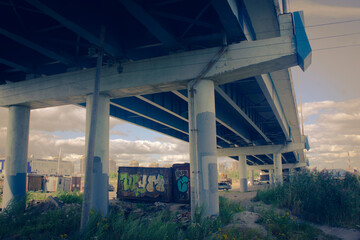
66, 197
64, 223
286, 227
318, 197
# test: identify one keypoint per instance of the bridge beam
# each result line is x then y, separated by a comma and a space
260, 150
17, 152
161, 74
271, 166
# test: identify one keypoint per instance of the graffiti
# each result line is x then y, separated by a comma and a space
157, 182
183, 183
179, 173
140, 184
182, 180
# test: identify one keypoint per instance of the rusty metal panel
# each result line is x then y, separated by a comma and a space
75, 184
149, 184
34, 183
181, 183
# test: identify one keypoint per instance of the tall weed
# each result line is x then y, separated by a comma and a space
318, 197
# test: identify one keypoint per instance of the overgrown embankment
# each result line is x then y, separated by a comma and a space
319, 197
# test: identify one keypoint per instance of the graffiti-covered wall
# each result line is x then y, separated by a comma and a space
155, 184
152, 184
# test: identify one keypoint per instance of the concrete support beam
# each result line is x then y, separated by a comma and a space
99, 200
251, 177
260, 150
271, 176
242, 173
271, 166
17, 151
278, 168
206, 147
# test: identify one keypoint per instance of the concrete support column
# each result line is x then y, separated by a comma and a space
243, 174
99, 200
271, 176
16, 154
206, 147
278, 168
251, 177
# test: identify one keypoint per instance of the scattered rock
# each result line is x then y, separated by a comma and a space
56, 201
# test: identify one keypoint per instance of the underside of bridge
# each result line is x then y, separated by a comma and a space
164, 61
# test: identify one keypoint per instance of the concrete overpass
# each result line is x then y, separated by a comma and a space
213, 73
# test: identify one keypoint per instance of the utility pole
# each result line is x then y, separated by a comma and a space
85, 214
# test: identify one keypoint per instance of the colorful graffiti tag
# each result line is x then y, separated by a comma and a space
140, 184
182, 181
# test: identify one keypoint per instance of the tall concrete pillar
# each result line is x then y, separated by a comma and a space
251, 177
278, 168
99, 200
271, 176
243, 174
206, 147
17, 151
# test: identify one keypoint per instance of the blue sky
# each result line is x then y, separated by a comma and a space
329, 90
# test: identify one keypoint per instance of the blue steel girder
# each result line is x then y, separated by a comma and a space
151, 24
144, 122
224, 119
231, 17
241, 105
28, 42
110, 47
16, 66
167, 119
144, 109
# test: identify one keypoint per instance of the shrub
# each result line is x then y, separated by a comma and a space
284, 226
318, 197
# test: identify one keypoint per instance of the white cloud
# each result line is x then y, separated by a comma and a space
334, 132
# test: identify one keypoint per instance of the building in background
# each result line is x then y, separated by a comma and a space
134, 163
112, 166
50, 167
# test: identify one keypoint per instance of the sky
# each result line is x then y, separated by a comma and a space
329, 93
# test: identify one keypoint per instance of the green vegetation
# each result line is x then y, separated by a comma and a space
66, 197
113, 175
36, 223
318, 197
284, 226
53, 223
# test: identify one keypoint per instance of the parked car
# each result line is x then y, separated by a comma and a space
111, 188
224, 186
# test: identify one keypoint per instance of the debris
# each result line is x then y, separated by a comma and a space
56, 201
